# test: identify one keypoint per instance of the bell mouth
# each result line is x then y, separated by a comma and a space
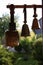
25, 31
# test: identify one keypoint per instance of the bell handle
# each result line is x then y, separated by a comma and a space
25, 17
35, 14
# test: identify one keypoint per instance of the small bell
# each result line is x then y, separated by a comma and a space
25, 31
35, 24
35, 21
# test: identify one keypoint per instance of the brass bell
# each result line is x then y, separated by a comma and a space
25, 30
35, 24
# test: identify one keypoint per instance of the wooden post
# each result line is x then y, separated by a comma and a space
42, 28
42, 18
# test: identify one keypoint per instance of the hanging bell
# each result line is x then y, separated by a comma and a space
35, 24
25, 31
35, 21
12, 36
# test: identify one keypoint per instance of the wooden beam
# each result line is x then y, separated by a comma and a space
23, 6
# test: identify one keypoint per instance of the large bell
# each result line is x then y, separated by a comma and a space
35, 24
25, 31
12, 38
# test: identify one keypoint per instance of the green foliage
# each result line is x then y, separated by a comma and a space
4, 24
6, 57
33, 39
38, 47
39, 36
18, 58
18, 48
24, 45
